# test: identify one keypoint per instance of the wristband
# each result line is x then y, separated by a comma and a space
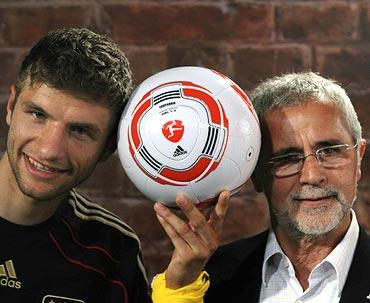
191, 293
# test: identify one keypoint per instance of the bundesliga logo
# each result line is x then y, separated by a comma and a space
173, 130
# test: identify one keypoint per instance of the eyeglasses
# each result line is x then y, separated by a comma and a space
329, 157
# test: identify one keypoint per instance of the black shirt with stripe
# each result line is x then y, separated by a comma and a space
82, 254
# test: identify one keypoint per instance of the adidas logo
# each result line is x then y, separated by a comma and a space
8, 277
179, 151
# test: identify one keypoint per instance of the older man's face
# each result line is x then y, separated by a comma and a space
316, 199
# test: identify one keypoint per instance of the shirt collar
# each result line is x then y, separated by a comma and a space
340, 258
272, 249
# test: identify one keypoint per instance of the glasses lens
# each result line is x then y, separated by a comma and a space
329, 157
287, 165
334, 156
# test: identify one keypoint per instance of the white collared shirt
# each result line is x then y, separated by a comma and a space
326, 281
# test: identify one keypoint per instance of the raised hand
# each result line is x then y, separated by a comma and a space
194, 240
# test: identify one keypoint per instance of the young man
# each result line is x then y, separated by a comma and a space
62, 115
308, 169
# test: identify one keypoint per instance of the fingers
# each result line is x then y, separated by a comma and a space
197, 220
194, 240
217, 217
197, 228
179, 231
199, 223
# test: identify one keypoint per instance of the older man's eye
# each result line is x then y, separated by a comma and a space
332, 150
286, 160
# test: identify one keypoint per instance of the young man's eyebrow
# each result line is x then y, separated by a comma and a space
30, 105
90, 127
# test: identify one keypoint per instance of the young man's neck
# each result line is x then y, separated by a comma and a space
18, 208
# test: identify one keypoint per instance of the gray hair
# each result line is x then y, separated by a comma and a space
297, 88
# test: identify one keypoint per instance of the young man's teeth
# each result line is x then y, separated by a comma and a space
39, 166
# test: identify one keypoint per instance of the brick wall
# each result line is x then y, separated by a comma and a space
246, 40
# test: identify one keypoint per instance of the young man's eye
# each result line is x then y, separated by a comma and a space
81, 133
38, 115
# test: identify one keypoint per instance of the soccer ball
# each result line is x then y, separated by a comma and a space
188, 130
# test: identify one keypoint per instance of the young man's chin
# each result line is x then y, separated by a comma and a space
44, 195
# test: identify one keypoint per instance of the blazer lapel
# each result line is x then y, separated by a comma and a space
235, 271
250, 276
357, 286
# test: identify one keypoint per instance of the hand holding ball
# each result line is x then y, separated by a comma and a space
188, 130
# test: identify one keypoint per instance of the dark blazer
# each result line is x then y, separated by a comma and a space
236, 272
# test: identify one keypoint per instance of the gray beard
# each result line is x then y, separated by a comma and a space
304, 225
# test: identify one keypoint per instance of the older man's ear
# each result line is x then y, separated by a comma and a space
256, 180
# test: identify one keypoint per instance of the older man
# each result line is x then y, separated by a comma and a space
308, 169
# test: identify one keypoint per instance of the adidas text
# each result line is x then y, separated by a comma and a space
10, 283
8, 277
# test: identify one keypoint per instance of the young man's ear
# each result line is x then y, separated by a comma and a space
10, 105
110, 148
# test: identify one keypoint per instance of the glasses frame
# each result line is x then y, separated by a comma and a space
317, 154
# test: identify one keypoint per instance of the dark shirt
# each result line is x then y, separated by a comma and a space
82, 254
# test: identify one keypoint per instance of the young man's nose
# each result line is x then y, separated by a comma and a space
52, 143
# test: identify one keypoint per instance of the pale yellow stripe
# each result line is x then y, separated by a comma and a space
103, 217
10, 268
2, 270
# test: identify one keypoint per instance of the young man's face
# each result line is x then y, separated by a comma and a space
55, 140
316, 199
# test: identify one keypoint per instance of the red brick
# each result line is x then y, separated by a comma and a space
361, 102
9, 64
362, 208
23, 26
365, 21
252, 22
110, 180
253, 64
363, 184
208, 55
349, 65
318, 21
147, 62
245, 217
362, 107
157, 24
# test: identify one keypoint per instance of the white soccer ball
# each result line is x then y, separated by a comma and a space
188, 130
